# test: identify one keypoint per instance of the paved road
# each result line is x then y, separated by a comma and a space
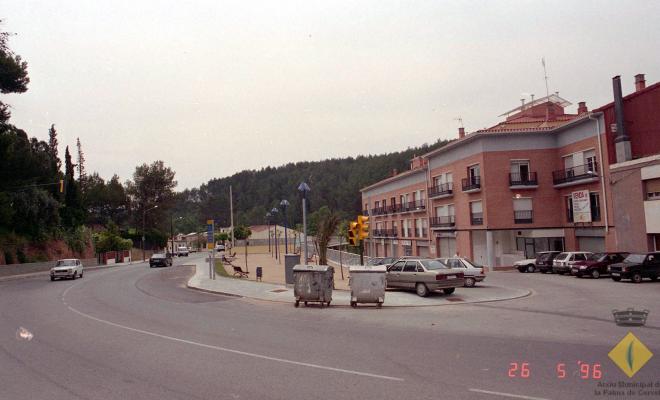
138, 333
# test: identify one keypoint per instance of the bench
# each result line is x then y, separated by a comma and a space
238, 271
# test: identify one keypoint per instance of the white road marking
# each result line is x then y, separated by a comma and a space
515, 396
225, 349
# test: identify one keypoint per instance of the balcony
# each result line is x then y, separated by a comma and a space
441, 191
419, 205
379, 211
576, 175
443, 222
523, 216
387, 233
477, 218
365, 212
472, 184
524, 180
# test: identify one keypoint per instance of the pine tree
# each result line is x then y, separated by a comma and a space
72, 213
52, 145
81, 164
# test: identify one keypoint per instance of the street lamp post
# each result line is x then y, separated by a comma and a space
268, 224
284, 204
304, 188
144, 217
274, 212
172, 231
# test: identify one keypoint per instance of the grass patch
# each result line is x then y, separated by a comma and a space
220, 269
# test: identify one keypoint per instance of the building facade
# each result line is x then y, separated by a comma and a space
539, 180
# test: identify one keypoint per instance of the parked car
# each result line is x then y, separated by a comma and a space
182, 251
387, 261
637, 267
472, 271
544, 260
219, 248
424, 276
527, 265
160, 260
70, 268
596, 264
564, 261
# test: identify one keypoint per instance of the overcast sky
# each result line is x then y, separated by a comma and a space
215, 87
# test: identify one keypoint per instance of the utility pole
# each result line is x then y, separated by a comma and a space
231, 215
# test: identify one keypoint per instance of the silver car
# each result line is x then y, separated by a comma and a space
424, 276
68, 268
473, 272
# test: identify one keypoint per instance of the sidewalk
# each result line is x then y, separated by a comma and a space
274, 289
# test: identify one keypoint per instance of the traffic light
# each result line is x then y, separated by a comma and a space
363, 225
61, 185
353, 234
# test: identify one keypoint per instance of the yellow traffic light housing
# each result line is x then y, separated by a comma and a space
353, 234
363, 225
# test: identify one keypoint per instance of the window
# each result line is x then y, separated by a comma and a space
579, 257
377, 205
652, 189
474, 174
595, 206
397, 267
411, 266
519, 170
569, 209
476, 213
590, 160
522, 210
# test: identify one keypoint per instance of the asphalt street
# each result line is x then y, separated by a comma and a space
138, 333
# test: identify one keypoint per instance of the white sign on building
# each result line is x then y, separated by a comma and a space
581, 206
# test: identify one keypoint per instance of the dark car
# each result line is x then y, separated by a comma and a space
544, 260
596, 264
160, 260
637, 267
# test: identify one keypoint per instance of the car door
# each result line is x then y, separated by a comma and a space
409, 275
394, 274
652, 266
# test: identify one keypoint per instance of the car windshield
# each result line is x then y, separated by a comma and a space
433, 264
635, 258
545, 256
474, 264
66, 263
597, 257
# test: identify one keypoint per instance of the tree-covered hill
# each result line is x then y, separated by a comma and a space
335, 183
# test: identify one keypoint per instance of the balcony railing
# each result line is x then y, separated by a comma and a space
417, 233
411, 206
379, 211
523, 216
443, 221
385, 233
477, 218
472, 183
442, 189
580, 172
523, 179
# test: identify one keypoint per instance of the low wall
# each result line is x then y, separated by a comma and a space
27, 268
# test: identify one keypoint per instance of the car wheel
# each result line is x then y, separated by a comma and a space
521, 270
421, 290
654, 278
531, 268
616, 279
81, 274
470, 282
449, 290
637, 277
52, 278
595, 274
353, 304
75, 275
297, 304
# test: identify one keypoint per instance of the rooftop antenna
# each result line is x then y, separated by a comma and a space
547, 91
460, 121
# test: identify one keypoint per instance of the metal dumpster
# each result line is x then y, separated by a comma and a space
367, 284
313, 283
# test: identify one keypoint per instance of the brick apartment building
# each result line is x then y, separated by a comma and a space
504, 193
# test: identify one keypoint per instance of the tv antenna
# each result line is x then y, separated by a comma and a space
460, 121
547, 91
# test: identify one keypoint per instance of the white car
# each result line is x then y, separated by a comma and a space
564, 261
182, 251
472, 271
528, 265
68, 268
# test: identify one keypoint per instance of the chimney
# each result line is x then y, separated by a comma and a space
461, 132
582, 107
640, 82
621, 140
